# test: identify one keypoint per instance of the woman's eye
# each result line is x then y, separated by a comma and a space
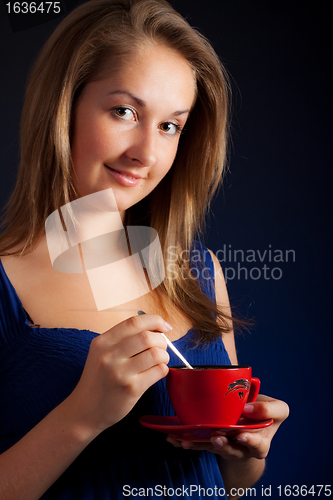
124, 113
171, 128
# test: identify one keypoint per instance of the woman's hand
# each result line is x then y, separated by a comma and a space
245, 444
121, 364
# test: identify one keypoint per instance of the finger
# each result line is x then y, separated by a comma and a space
140, 342
257, 445
136, 324
147, 359
218, 444
265, 408
228, 449
191, 445
127, 369
115, 358
175, 442
146, 379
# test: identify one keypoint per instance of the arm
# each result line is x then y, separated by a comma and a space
242, 459
244, 472
34, 463
122, 363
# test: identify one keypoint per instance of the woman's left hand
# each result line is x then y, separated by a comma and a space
245, 444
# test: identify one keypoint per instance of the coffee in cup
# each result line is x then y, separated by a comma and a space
211, 394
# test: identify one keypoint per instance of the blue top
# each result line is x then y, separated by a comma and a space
40, 367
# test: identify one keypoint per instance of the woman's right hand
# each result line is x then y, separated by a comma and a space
122, 364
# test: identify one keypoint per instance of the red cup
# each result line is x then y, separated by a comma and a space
211, 394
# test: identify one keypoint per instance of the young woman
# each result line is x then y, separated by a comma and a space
125, 95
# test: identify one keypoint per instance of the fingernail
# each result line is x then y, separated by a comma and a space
218, 442
242, 439
248, 408
169, 327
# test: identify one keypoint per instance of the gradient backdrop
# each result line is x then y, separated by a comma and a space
276, 198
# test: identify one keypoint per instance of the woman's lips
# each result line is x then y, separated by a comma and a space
125, 178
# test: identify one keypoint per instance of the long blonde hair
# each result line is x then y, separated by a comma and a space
76, 54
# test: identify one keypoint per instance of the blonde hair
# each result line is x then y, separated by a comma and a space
75, 54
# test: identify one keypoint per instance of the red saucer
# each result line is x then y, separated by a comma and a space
173, 427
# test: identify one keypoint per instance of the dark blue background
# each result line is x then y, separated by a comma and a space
277, 196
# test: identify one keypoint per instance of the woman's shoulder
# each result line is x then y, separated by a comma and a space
209, 262
12, 315
223, 303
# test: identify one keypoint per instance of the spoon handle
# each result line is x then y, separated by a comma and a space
173, 348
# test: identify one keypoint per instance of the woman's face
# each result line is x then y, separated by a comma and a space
127, 127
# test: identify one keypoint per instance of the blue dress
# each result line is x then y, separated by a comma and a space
40, 367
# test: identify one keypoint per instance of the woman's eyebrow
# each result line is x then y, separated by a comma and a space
177, 113
139, 101
143, 103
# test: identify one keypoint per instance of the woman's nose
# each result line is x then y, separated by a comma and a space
143, 146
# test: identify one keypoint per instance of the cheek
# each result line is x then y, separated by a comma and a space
168, 160
88, 143
156, 175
